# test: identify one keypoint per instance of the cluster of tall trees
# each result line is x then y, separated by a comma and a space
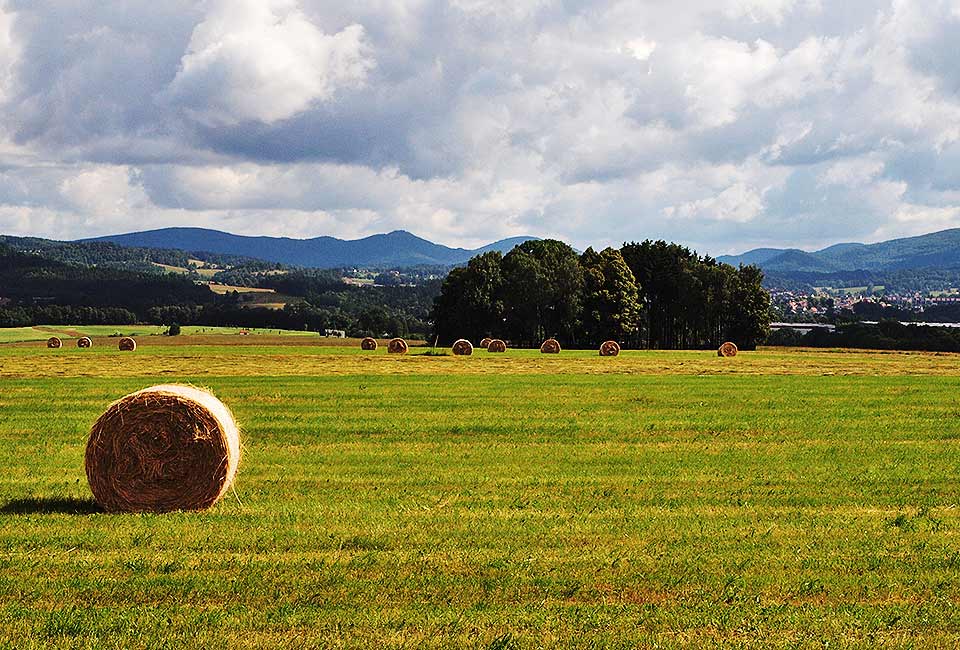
646, 295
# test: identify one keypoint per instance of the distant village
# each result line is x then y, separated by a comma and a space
824, 303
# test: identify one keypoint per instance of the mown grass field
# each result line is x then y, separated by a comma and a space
778, 499
43, 332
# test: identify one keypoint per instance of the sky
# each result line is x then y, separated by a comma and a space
722, 124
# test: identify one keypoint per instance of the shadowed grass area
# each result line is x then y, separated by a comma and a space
445, 502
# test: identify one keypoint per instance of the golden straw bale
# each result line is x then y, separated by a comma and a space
369, 344
728, 349
496, 345
84, 342
485, 342
462, 348
397, 346
610, 349
550, 346
161, 449
54, 343
127, 344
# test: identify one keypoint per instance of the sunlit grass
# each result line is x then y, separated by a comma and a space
511, 501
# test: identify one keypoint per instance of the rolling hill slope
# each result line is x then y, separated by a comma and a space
395, 249
935, 250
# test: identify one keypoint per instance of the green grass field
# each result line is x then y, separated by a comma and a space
778, 499
43, 332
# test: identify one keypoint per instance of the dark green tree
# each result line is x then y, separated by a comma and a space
470, 304
611, 302
543, 289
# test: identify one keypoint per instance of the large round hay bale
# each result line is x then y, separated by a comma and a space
84, 342
54, 343
127, 344
485, 342
462, 348
610, 349
728, 349
550, 346
369, 344
496, 345
161, 449
397, 346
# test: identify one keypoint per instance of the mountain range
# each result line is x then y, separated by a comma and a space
939, 250
395, 249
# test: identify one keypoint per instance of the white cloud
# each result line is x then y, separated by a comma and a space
729, 124
264, 60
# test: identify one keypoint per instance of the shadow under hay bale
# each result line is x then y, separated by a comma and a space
397, 346
54, 343
84, 342
728, 349
162, 449
496, 345
550, 346
369, 344
485, 342
462, 348
127, 344
50, 506
610, 349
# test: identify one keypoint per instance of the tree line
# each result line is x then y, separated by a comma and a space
885, 335
651, 294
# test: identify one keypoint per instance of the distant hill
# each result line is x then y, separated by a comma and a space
395, 249
939, 250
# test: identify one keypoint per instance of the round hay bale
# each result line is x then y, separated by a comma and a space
496, 345
127, 344
369, 344
728, 349
550, 346
462, 348
54, 343
162, 449
84, 342
397, 346
610, 349
485, 342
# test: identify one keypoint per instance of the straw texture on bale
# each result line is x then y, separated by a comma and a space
550, 346
84, 342
127, 344
54, 342
496, 345
728, 349
163, 449
462, 348
397, 346
485, 342
610, 349
368, 344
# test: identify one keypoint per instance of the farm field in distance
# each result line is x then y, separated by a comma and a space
782, 498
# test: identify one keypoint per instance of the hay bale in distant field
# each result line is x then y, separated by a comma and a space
369, 344
550, 346
496, 345
161, 449
127, 344
54, 343
485, 342
610, 349
728, 349
462, 348
84, 342
397, 346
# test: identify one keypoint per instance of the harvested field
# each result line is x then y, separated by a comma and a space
794, 498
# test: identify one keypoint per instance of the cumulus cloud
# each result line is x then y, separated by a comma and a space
733, 123
264, 60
